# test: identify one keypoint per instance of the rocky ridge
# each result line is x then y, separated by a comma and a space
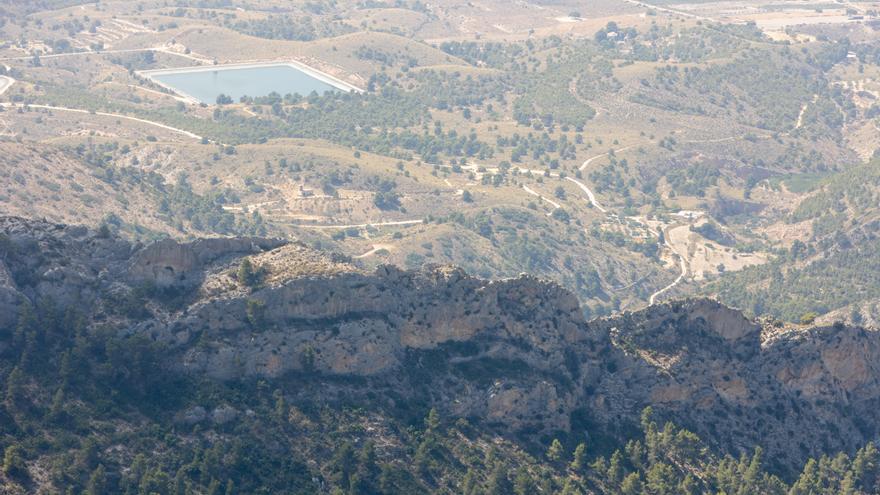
515, 355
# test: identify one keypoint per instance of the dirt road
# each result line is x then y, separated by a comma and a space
682, 263
105, 114
6, 82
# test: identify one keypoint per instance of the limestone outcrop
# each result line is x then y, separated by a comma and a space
168, 263
516, 354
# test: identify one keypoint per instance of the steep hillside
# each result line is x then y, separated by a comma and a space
247, 351
832, 262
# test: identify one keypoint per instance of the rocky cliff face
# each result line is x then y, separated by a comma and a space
515, 355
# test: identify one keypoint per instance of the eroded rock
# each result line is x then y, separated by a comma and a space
515, 354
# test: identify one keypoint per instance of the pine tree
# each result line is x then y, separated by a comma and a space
57, 409
27, 322
545, 481
356, 485
635, 452
469, 485
367, 471
554, 453
386, 479
840, 465
652, 436
570, 488
343, 464
615, 467
97, 484
848, 485
255, 311
865, 468
661, 479
246, 274
579, 458
631, 485
688, 486
523, 484
432, 421
15, 396
28, 357
280, 410
181, 484
87, 458
425, 450
213, 487
808, 482
499, 484
750, 478
421, 460
13, 462
133, 477
157, 481
66, 372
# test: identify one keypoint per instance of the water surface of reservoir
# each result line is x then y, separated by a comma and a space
207, 83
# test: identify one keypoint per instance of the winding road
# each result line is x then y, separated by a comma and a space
376, 248
6, 82
160, 49
535, 193
71, 54
590, 160
589, 193
592, 197
584, 188
104, 114
684, 269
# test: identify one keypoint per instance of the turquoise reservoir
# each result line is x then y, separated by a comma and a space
206, 84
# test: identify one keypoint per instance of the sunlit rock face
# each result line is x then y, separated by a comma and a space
516, 354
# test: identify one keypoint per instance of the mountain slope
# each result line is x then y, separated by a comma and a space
249, 354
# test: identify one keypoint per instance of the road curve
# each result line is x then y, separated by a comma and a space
600, 155
106, 52
105, 114
589, 193
684, 269
376, 248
